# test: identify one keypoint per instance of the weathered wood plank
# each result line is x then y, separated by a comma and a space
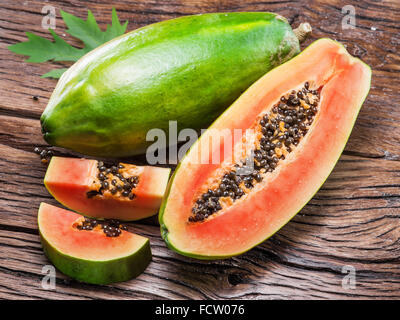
280, 274
378, 48
354, 220
346, 221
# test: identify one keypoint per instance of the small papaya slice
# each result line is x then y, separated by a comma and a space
93, 188
91, 251
294, 124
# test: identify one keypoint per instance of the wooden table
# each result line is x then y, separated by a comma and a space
352, 223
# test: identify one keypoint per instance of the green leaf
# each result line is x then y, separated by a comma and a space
55, 73
116, 29
39, 49
89, 32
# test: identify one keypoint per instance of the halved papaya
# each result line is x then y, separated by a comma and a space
300, 115
93, 188
91, 251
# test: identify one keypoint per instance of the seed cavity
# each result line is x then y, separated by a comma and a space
114, 178
282, 129
110, 227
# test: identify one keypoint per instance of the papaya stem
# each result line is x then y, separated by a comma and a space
303, 31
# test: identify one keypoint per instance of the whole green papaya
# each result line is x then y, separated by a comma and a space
187, 69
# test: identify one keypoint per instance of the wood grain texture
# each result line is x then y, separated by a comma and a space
354, 220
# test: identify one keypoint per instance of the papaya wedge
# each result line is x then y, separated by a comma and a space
300, 115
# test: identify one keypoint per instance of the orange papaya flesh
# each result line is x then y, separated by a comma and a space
124, 191
219, 226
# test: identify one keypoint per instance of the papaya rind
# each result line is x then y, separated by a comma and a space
99, 272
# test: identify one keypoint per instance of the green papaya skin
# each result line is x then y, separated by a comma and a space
188, 69
99, 272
